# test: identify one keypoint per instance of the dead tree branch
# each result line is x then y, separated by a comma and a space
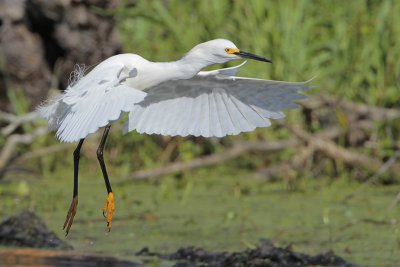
384, 168
14, 140
15, 121
231, 153
371, 112
331, 150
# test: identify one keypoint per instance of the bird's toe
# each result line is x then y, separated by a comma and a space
70, 215
108, 209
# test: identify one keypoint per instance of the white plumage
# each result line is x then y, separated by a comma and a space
173, 98
212, 104
94, 101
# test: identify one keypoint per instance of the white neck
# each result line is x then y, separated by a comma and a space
185, 68
158, 72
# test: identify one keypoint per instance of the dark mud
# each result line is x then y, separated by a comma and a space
265, 255
17, 257
26, 229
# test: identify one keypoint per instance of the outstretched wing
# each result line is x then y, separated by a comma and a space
92, 102
214, 103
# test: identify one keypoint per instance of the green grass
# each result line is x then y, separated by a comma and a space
352, 49
218, 209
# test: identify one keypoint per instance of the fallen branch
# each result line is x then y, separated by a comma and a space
298, 161
394, 203
44, 151
372, 112
384, 168
17, 139
15, 121
231, 153
331, 150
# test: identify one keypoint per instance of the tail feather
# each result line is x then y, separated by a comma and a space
52, 111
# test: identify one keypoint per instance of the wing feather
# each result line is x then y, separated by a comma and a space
215, 123
225, 119
212, 104
149, 116
252, 118
241, 124
166, 118
173, 109
203, 127
195, 113
94, 101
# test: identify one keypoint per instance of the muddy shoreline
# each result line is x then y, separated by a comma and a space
26, 240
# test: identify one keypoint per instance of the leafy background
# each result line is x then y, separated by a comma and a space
351, 49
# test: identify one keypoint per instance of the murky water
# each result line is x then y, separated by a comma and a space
218, 210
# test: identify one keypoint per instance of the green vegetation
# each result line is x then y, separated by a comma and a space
351, 48
353, 51
222, 209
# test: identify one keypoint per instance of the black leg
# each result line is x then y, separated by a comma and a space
74, 204
109, 206
77, 156
100, 151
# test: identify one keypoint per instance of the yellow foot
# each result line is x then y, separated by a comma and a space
71, 214
108, 209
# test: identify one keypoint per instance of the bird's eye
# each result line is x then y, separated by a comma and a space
228, 50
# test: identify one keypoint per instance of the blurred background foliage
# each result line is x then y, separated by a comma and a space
350, 49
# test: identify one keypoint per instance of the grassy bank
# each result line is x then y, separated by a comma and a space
218, 210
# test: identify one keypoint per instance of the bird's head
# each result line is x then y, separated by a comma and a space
222, 51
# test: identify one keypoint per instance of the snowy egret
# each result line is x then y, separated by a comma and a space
169, 98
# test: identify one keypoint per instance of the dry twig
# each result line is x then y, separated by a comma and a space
14, 140
15, 121
233, 152
371, 112
384, 168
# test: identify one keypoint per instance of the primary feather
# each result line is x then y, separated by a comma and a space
212, 104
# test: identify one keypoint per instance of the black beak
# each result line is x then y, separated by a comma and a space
252, 56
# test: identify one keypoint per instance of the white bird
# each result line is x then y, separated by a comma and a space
168, 98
